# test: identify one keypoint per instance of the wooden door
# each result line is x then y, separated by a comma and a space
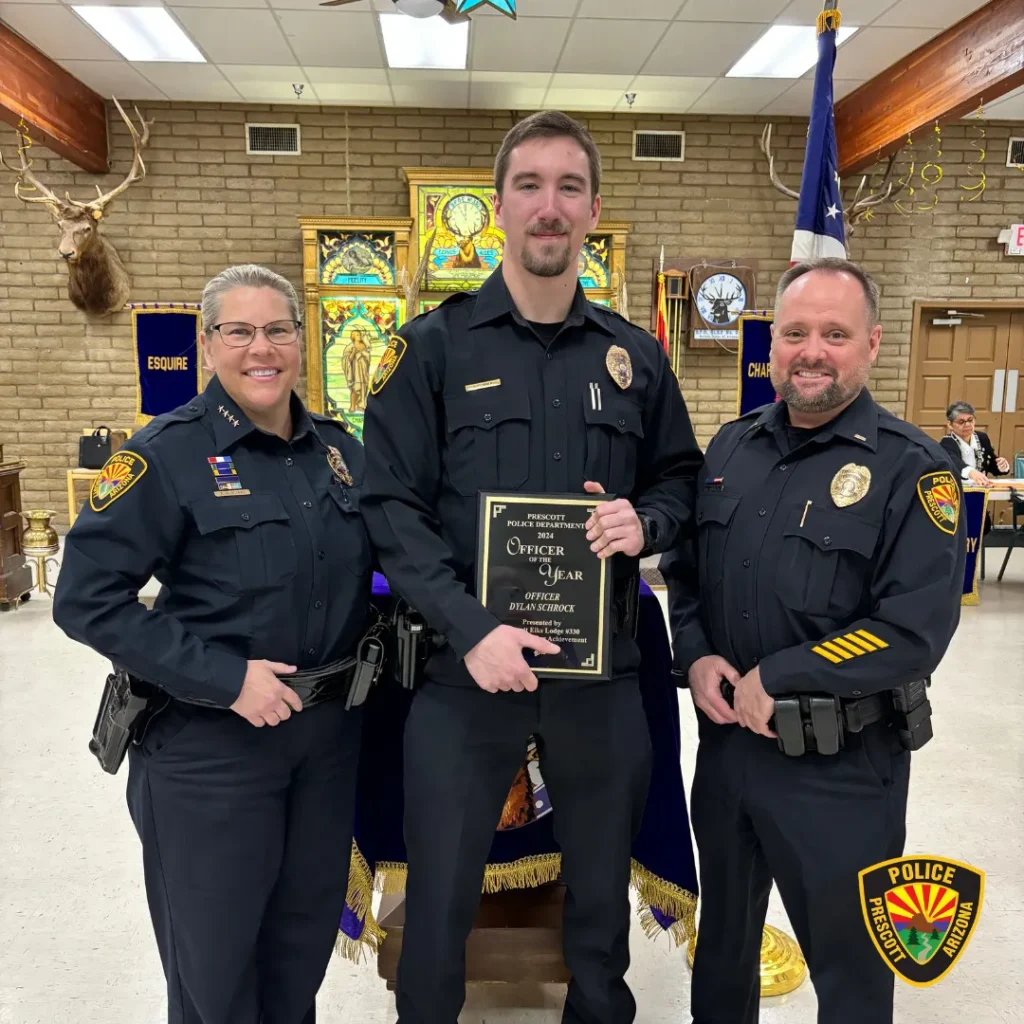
959, 363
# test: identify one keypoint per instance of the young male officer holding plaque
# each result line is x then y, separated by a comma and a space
525, 388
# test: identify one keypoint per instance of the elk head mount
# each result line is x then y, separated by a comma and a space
97, 280
862, 206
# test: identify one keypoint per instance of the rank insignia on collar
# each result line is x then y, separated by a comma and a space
619, 367
122, 471
850, 484
228, 484
389, 360
940, 496
920, 913
338, 466
226, 413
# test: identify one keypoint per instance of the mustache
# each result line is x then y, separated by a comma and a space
549, 227
813, 367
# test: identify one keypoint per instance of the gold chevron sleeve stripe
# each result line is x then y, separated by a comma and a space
827, 655
828, 645
871, 636
847, 646
860, 643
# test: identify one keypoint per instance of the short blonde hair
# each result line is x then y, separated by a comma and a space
244, 275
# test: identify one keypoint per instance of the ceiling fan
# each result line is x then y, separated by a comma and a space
417, 8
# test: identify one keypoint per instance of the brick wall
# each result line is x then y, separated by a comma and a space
205, 204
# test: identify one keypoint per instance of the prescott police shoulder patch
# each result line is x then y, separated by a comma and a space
121, 472
389, 360
940, 496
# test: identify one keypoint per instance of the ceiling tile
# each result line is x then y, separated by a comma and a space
113, 78
529, 9
652, 10
523, 46
216, 31
57, 32
701, 49
422, 88
664, 94
733, 11
195, 82
928, 13
582, 99
601, 46
263, 83
796, 101
495, 90
334, 39
739, 95
258, 4
872, 50
1007, 108
350, 86
805, 12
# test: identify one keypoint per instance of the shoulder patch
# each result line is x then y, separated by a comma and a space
389, 360
940, 497
122, 471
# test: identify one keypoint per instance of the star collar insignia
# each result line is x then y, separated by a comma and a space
226, 413
506, 7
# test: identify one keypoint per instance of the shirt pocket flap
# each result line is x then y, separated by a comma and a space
212, 514
716, 508
486, 409
622, 416
830, 530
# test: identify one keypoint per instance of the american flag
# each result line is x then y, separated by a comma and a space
819, 215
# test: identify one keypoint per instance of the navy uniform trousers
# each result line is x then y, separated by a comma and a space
246, 835
811, 823
463, 747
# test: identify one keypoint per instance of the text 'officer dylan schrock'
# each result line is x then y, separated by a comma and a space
523, 386
829, 565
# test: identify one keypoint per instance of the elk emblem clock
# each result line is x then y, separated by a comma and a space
720, 295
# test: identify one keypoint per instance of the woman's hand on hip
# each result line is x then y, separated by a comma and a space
264, 699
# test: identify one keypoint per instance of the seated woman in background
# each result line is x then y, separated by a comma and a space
970, 449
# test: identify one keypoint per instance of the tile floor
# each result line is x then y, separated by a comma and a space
75, 940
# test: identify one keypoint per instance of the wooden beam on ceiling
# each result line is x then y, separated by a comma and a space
977, 60
61, 112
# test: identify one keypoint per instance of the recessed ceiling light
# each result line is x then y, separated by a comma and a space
141, 33
784, 51
430, 43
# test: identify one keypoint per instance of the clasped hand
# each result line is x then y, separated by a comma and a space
614, 526
264, 699
752, 706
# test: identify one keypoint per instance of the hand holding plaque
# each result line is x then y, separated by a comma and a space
614, 526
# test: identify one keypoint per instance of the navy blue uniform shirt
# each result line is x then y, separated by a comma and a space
282, 572
832, 559
480, 400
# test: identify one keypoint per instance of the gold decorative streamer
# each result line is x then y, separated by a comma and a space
931, 173
977, 189
23, 147
907, 182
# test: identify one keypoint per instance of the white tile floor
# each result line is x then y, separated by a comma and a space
75, 940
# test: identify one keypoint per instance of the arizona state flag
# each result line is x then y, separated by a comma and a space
661, 326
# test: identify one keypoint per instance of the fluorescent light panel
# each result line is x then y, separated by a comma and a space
142, 33
424, 43
784, 51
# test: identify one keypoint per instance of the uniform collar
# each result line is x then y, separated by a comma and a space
230, 424
494, 301
858, 422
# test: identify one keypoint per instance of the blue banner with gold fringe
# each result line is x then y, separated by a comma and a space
975, 507
753, 358
168, 372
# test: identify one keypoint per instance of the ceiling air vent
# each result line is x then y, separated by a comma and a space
659, 146
1015, 153
272, 140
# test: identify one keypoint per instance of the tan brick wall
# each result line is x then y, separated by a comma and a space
205, 204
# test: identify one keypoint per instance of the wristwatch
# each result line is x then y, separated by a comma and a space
650, 532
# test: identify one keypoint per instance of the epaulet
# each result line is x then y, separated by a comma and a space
341, 424
187, 413
894, 425
453, 300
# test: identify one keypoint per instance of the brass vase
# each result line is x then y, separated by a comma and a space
40, 542
783, 967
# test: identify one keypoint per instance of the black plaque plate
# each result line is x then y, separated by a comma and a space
535, 571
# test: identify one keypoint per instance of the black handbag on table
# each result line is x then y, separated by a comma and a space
94, 449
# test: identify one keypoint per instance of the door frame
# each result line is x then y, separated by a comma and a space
922, 306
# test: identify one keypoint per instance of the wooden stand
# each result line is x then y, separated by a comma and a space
15, 573
516, 938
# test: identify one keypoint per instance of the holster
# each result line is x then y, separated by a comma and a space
123, 709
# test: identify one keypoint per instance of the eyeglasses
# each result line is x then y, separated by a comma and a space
238, 335
968, 422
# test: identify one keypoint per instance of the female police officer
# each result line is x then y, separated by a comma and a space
245, 508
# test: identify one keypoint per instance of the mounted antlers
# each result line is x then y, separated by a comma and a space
97, 280
861, 208
412, 288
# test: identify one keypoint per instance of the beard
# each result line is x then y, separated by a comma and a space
554, 258
837, 393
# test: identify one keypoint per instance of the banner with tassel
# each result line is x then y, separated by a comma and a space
168, 371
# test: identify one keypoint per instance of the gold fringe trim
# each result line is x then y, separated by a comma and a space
670, 899
829, 21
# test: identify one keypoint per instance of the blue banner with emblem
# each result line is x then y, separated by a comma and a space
168, 372
975, 507
753, 359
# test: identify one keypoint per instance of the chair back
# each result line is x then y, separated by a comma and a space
1018, 466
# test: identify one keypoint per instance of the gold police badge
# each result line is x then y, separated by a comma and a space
850, 484
619, 367
339, 467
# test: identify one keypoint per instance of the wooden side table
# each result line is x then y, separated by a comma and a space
75, 478
15, 573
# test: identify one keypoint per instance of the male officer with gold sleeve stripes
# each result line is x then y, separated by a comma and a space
824, 584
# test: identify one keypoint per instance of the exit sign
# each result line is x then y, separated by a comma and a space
1013, 237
